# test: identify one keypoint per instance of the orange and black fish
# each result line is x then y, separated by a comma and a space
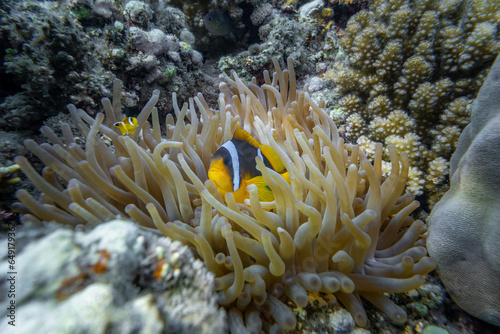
233, 167
127, 125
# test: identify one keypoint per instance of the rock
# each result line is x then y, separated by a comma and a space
187, 36
115, 278
143, 308
464, 225
311, 8
154, 42
196, 57
174, 56
138, 12
262, 14
315, 84
103, 8
86, 312
434, 330
43, 265
342, 322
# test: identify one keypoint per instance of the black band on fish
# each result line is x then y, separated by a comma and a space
233, 153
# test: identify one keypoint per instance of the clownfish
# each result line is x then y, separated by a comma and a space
127, 125
233, 167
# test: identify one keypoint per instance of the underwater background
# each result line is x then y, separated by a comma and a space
398, 72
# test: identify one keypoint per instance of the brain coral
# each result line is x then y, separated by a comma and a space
425, 61
340, 227
464, 229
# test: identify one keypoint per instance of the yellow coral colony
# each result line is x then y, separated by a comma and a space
339, 228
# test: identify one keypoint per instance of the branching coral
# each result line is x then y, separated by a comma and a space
340, 227
425, 58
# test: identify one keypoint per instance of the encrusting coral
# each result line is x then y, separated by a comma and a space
424, 59
340, 227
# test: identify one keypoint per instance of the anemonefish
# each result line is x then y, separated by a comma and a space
127, 125
233, 167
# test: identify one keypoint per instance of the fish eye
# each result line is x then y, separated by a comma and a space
210, 18
226, 160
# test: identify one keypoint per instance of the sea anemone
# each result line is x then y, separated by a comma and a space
340, 227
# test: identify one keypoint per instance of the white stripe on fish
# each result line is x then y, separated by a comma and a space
233, 153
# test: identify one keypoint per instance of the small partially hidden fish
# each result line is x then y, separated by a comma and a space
233, 167
127, 125
219, 23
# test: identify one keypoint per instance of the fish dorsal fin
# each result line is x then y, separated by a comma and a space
241, 134
273, 158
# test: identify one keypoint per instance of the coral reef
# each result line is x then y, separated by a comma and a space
305, 33
283, 37
417, 98
115, 278
410, 71
70, 51
464, 227
44, 51
341, 227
